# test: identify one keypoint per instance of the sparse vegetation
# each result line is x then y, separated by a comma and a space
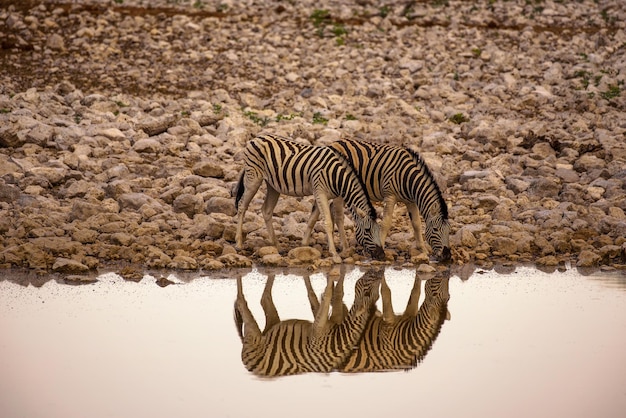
612, 92
320, 17
339, 31
584, 75
254, 117
217, 108
284, 117
458, 118
318, 118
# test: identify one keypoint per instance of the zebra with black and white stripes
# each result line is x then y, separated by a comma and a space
393, 174
400, 342
297, 346
296, 169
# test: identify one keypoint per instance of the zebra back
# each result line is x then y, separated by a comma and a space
404, 342
293, 168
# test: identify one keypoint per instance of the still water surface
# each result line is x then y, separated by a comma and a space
524, 343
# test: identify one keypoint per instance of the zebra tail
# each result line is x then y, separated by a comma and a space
241, 188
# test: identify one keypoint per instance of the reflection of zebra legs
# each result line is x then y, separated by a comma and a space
391, 341
297, 346
284, 347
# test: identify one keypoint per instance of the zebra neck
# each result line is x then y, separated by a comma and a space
428, 199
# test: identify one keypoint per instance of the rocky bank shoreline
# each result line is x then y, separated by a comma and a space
122, 122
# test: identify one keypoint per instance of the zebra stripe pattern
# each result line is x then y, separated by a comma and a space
394, 174
400, 342
297, 169
297, 346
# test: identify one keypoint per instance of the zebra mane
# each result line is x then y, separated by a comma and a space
346, 163
420, 162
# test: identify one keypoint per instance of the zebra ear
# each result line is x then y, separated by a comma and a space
433, 211
447, 314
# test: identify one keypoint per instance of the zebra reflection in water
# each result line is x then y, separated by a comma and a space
400, 342
296, 346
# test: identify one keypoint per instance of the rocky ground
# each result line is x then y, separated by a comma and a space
122, 122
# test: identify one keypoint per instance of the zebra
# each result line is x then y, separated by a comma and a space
297, 346
393, 174
400, 342
296, 169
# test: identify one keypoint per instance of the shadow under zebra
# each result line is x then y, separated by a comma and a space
359, 339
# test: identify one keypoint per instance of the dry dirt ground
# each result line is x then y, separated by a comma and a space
121, 123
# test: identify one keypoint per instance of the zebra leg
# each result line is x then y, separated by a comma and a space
339, 309
390, 205
388, 314
271, 314
315, 215
271, 198
416, 221
247, 326
321, 316
313, 301
250, 181
337, 216
412, 306
321, 201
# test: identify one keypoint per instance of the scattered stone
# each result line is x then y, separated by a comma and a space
305, 254
587, 258
65, 265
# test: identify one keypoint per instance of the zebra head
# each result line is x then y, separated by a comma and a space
367, 233
366, 290
437, 233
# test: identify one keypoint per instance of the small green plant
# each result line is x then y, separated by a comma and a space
217, 108
121, 104
198, 4
350, 116
319, 17
384, 11
339, 30
119, 1
280, 117
440, 3
458, 118
222, 7
254, 117
584, 75
596, 80
318, 118
612, 93
5, 110
476, 52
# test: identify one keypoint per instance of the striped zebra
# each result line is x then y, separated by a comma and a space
297, 169
400, 342
297, 346
393, 174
